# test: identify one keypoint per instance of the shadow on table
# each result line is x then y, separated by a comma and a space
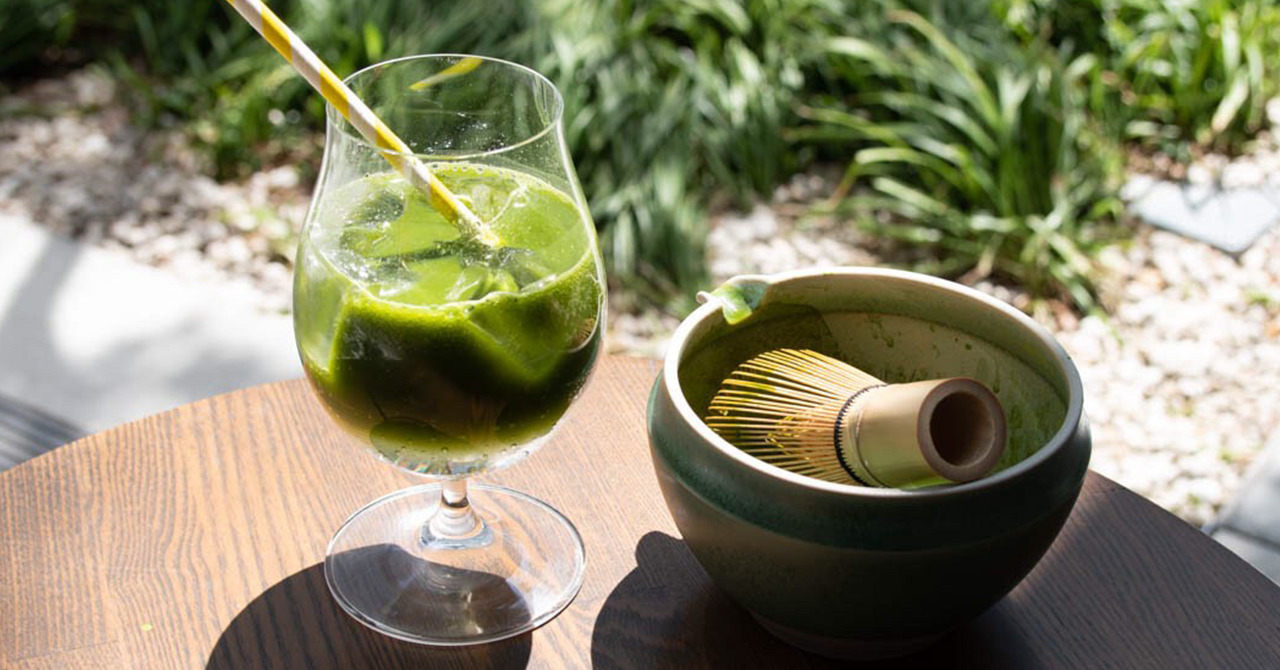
646, 622
297, 624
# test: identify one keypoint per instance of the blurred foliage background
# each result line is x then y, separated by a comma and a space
992, 135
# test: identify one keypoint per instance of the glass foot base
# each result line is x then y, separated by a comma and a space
387, 569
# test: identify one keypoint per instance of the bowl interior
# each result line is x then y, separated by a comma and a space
899, 329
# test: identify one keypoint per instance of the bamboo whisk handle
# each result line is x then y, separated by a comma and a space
900, 433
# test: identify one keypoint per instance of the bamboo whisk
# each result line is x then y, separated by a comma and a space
817, 416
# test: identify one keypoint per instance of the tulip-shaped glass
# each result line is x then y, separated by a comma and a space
449, 353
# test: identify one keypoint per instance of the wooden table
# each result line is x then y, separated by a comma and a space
195, 538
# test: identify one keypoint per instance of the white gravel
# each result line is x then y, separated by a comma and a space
72, 161
1180, 379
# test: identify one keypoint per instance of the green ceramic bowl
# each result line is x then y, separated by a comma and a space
857, 572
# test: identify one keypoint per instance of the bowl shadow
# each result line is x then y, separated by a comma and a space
297, 624
666, 613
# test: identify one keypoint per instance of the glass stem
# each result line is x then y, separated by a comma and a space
455, 521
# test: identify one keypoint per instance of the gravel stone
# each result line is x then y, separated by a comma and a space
77, 166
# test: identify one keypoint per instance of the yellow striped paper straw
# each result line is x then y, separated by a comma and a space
353, 109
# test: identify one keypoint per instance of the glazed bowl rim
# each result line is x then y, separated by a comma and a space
711, 308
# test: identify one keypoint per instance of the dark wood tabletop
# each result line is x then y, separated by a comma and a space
195, 538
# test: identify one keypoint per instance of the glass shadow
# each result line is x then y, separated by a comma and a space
297, 624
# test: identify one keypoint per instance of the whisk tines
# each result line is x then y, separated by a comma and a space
784, 407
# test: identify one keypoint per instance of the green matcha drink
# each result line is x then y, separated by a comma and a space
444, 354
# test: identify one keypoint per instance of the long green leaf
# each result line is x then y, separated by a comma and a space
1229, 108
986, 102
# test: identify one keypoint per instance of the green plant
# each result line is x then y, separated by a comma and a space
670, 102
1175, 74
978, 149
1197, 71
30, 28
37, 33
205, 66
990, 141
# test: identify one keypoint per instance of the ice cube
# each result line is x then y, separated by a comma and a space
379, 209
